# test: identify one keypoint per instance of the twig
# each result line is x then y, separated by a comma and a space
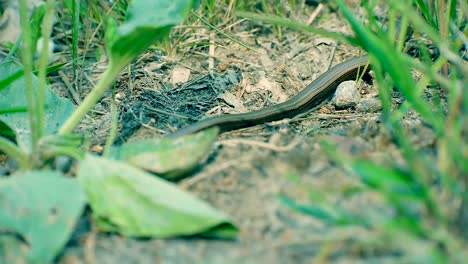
165, 112
314, 14
211, 51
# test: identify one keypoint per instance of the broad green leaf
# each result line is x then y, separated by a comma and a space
132, 202
13, 98
146, 22
6, 80
38, 211
170, 158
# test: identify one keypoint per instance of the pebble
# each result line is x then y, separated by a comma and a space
369, 105
180, 75
346, 95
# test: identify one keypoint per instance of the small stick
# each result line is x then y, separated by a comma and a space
314, 14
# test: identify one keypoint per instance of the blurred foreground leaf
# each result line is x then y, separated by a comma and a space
38, 211
167, 157
13, 106
132, 202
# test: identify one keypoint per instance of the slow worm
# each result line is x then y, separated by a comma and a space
317, 92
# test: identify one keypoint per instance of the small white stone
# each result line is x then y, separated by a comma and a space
346, 95
40, 45
119, 97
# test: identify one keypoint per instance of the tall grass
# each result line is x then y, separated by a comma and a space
434, 184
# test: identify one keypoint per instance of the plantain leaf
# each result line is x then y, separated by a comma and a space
170, 158
132, 202
38, 211
13, 106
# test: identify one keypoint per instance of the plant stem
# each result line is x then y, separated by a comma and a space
93, 97
46, 29
14, 152
27, 61
114, 127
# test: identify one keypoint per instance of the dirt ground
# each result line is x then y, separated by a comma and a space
249, 168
